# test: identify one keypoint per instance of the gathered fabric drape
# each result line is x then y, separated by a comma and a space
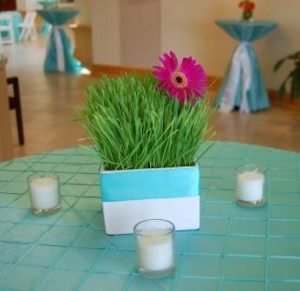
59, 56
243, 84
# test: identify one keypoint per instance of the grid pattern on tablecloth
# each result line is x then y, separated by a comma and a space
236, 248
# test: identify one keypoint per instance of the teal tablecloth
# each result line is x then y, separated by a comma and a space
59, 56
47, 4
243, 84
17, 20
236, 248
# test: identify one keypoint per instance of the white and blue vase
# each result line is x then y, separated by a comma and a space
130, 196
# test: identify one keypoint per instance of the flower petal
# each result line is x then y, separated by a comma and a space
193, 74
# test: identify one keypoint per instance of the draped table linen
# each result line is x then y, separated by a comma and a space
46, 27
59, 56
243, 84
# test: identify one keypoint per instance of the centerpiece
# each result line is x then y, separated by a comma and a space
247, 7
149, 132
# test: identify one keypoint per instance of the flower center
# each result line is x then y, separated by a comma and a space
179, 80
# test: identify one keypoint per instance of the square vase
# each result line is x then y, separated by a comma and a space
130, 196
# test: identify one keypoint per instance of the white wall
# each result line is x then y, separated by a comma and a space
188, 27
20, 4
85, 15
282, 41
106, 32
140, 32
28, 5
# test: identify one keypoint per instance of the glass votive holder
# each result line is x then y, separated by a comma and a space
44, 192
250, 185
155, 247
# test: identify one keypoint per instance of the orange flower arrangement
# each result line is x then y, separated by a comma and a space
248, 7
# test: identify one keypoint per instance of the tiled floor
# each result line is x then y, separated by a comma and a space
50, 100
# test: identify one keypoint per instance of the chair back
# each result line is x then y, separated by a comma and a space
6, 28
30, 18
28, 26
15, 104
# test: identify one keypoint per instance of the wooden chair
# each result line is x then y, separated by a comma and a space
6, 29
28, 26
15, 104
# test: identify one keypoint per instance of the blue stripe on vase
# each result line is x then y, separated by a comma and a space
158, 183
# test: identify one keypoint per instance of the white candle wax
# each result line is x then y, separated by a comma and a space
250, 186
44, 193
155, 251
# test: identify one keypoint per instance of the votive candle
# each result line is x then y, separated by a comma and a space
250, 184
155, 247
44, 193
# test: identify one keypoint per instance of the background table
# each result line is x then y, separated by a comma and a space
243, 85
59, 56
47, 4
236, 248
17, 20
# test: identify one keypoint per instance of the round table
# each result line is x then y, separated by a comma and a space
236, 248
59, 56
243, 85
45, 28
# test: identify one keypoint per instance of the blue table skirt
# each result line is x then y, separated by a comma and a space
234, 88
60, 60
59, 55
243, 84
45, 28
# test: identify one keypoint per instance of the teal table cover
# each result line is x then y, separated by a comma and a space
59, 56
236, 248
47, 4
243, 84
17, 20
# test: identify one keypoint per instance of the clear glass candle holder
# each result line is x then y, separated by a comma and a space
155, 247
44, 192
250, 185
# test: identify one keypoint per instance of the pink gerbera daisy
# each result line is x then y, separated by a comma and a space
182, 81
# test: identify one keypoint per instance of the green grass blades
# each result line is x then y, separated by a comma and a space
133, 125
